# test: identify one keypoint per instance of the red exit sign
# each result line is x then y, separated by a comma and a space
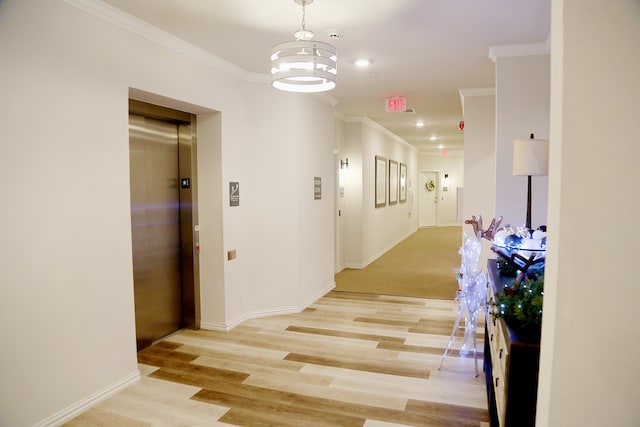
395, 104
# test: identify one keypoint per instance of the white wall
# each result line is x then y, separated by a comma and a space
589, 372
352, 202
66, 312
341, 176
480, 160
210, 192
522, 108
371, 231
284, 238
452, 164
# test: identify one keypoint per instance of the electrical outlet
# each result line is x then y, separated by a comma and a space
231, 255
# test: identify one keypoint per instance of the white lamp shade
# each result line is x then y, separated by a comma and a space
530, 157
304, 66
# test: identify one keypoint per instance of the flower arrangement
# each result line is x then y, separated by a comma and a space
430, 185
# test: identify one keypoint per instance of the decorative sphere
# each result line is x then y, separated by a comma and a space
530, 244
539, 235
513, 241
498, 238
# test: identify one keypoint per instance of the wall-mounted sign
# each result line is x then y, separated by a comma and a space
395, 104
234, 194
185, 183
317, 188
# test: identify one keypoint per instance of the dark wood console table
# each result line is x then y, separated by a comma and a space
511, 365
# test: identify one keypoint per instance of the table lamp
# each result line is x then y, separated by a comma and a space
530, 158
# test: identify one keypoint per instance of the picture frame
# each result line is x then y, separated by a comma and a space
380, 181
403, 183
393, 182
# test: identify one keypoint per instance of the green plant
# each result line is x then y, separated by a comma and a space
521, 306
505, 268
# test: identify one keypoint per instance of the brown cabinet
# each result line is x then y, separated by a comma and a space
511, 365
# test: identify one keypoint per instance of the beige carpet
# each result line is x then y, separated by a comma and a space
422, 265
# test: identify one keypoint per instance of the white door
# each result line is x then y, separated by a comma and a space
427, 199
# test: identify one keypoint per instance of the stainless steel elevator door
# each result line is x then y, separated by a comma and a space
155, 227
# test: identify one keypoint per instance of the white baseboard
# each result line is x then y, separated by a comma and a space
79, 407
453, 224
379, 254
227, 326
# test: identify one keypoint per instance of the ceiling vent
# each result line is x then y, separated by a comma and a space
410, 111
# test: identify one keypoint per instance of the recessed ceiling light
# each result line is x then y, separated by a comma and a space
362, 62
441, 146
420, 124
433, 138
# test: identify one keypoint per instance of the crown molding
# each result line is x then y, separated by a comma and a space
254, 77
511, 50
130, 23
377, 126
486, 91
432, 152
327, 98
137, 26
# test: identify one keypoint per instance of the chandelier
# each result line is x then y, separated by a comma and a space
304, 65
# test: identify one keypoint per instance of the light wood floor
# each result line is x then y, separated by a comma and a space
348, 360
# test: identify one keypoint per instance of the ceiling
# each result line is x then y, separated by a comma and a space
423, 50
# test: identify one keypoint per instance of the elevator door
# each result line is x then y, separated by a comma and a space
155, 223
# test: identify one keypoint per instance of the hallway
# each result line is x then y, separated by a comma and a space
348, 360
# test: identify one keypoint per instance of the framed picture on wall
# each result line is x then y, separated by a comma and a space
381, 181
403, 183
393, 182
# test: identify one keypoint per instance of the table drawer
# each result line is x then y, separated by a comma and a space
500, 359
499, 381
512, 377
